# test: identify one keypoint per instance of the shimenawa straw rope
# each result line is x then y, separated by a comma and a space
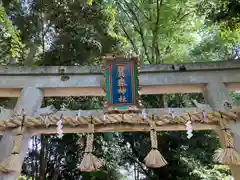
13, 163
90, 162
228, 155
154, 159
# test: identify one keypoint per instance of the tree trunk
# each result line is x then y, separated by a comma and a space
165, 100
43, 158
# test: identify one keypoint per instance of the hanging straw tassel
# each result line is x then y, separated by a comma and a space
13, 163
154, 159
90, 162
228, 155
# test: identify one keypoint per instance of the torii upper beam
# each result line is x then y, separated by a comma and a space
86, 81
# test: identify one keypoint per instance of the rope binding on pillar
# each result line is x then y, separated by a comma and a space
154, 159
227, 155
90, 162
13, 163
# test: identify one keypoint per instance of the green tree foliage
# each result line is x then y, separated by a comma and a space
221, 31
86, 34
216, 44
10, 42
67, 32
221, 11
160, 31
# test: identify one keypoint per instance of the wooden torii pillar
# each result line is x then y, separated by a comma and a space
30, 100
215, 95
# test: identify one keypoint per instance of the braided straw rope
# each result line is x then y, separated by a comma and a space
90, 162
89, 144
13, 162
153, 137
41, 121
17, 144
228, 155
154, 159
227, 133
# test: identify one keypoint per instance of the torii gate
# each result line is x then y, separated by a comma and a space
31, 84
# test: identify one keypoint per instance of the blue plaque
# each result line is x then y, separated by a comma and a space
121, 84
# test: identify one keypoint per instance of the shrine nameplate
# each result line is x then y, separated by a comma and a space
121, 84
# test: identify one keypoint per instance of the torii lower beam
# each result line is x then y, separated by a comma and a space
122, 128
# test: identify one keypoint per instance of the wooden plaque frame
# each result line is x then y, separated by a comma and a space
110, 107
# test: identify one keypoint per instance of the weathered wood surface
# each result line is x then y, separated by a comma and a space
68, 70
86, 81
123, 128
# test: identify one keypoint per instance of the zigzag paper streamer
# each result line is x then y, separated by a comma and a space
189, 129
78, 115
144, 114
59, 128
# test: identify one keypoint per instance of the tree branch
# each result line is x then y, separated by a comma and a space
129, 38
43, 158
46, 29
129, 17
134, 3
140, 29
183, 16
155, 32
140, 165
